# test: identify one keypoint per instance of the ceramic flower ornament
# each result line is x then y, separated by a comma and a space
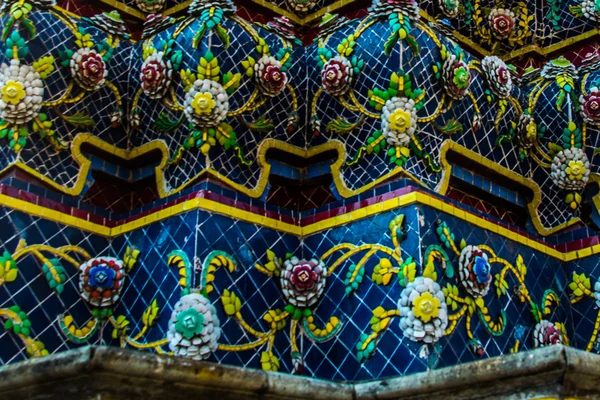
270, 77
206, 106
21, 94
399, 121
502, 22
88, 67
453, 73
497, 76
302, 284
337, 76
571, 169
109, 22
546, 333
423, 311
101, 282
194, 328
590, 106
383, 8
474, 271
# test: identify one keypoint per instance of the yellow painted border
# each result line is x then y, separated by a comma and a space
265, 170
218, 208
532, 206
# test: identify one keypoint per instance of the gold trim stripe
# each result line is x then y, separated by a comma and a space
329, 223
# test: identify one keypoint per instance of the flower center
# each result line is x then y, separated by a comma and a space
101, 277
304, 276
331, 75
13, 92
203, 103
400, 121
594, 105
427, 307
575, 170
189, 322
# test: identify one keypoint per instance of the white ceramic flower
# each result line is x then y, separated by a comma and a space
497, 75
399, 121
423, 311
22, 91
570, 169
206, 103
449, 8
502, 22
456, 77
194, 328
303, 282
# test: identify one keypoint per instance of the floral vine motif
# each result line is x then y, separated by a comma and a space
19, 11
302, 284
400, 14
109, 22
423, 311
449, 8
87, 66
454, 74
503, 24
194, 328
580, 289
270, 74
210, 15
589, 9
301, 6
338, 74
206, 106
571, 172
101, 282
399, 105
22, 93
156, 75
150, 6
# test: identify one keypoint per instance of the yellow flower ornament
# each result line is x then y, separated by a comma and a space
400, 121
13, 92
426, 307
203, 103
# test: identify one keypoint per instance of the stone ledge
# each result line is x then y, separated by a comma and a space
125, 374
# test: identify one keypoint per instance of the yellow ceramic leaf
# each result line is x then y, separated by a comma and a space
11, 275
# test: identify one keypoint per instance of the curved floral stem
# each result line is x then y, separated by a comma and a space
243, 347
363, 26
115, 91
454, 319
361, 108
376, 247
437, 112
40, 247
313, 104
62, 98
240, 318
430, 33
293, 328
245, 107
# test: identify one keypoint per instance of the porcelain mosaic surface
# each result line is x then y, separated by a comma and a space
382, 195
